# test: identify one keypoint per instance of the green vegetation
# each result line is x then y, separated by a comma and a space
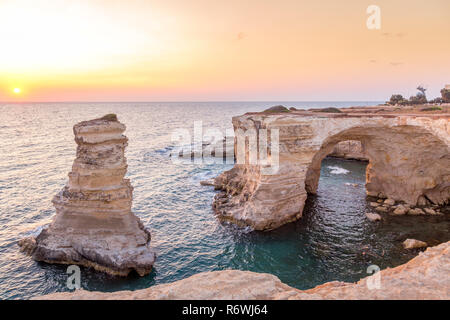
431, 109
276, 109
397, 99
329, 110
438, 100
419, 99
109, 117
445, 93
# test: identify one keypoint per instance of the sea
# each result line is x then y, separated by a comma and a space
332, 241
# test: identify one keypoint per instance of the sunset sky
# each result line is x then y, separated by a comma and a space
199, 50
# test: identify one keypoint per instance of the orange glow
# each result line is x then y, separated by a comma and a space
215, 50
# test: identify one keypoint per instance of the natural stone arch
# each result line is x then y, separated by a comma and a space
405, 163
409, 158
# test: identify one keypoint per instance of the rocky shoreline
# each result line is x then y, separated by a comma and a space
423, 277
409, 162
94, 225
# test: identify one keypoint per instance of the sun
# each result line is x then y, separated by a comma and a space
17, 90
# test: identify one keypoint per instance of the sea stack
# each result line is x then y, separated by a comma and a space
94, 225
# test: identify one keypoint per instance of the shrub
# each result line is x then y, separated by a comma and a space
277, 109
437, 100
396, 99
109, 117
418, 99
445, 95
431, 109
329, 110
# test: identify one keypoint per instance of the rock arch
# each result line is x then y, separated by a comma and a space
409, 160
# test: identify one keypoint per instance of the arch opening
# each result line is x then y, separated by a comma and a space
406, 163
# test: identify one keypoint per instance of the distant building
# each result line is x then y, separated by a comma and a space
447, 86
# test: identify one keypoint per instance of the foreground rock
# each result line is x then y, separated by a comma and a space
414, 244
94, 225
373, 216
400, 210
209, 182
409, 161
424, 277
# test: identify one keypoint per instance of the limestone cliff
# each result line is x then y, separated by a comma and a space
409, 162
94, 225
350, 149
424, 277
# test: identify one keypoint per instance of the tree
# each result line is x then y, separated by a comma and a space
437, 100
445, 95
418, 99
396, 99
422, 91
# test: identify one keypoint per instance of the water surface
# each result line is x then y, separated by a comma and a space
333, 240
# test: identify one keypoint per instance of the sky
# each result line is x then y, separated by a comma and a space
203, 50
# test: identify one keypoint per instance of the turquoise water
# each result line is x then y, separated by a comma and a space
333, 240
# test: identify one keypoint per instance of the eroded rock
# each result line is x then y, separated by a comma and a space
381, 209
94, 225
430, 211
415, 212
373, 216
423, 277
400, 210
414, 244
409, 161
351, 149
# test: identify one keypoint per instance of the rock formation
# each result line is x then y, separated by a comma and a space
409, 162
414, 244
350, 149
94, 225
373, 216
424, 277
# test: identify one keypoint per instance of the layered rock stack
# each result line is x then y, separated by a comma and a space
94, 225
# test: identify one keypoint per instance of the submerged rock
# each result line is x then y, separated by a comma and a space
414, 244
94, 225
209, 182
373, 216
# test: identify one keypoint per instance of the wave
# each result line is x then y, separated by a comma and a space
337, 170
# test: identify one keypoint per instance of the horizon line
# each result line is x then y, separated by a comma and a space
180, 101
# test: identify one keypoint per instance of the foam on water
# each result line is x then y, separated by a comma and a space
337, 170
